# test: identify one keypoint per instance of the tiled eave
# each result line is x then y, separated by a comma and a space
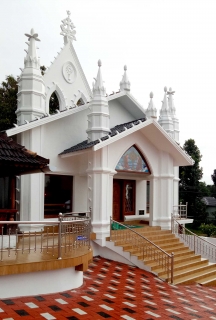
171, 145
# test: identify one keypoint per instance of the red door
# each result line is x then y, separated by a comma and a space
117, 200
123, 198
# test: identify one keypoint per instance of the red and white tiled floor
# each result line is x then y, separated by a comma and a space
112, 290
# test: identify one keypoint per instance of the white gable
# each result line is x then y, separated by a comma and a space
67, 79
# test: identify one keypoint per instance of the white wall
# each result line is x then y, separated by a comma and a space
41, 282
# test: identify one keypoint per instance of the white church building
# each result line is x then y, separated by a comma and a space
106, 152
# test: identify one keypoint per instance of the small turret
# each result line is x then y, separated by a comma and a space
151, 111
172, 110
125, 83
31, 89
165, 118
98, 118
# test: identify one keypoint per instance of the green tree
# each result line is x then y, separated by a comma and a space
8, 102
213, 176
191, 190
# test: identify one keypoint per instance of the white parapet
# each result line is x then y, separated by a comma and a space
8, 242
41, 282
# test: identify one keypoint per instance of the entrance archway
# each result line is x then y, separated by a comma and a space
132, 163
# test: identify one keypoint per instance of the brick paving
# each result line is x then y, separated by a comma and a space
113, 290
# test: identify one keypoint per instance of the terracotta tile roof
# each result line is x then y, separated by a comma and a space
113, 132
16, 159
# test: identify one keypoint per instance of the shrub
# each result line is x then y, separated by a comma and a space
208, 229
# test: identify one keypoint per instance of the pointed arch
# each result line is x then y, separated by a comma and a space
80, 97
133, 161
55, 88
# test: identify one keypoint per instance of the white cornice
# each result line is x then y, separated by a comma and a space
40, 122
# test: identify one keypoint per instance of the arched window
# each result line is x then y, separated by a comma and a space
80, 102
132, 161
53, 103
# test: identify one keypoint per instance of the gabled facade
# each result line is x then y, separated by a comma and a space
87, 141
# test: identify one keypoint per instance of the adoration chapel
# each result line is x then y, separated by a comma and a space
106, 152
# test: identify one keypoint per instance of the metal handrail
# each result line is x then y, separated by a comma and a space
78, 235
180, 211
195, 242
169, 256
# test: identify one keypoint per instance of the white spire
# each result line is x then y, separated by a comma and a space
172, 111
172, 108
151, 111
165, 119
125, 83
31, 89
98, 86
98, 118
31, 59
165, 107
67, 29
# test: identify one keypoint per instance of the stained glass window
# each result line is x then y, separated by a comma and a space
132, 161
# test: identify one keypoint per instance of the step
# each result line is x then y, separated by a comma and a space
209, 280
185, 268
181, 261
196, 278
181, 277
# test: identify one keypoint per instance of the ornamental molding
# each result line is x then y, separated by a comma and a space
69, 72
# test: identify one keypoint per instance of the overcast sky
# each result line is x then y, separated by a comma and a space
163, 42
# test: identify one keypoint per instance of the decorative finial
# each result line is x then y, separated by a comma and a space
99, 63
151, 111
67, 29
125, 83
170, 92
165, 89
32, 35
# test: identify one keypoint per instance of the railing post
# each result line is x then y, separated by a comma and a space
89, 232
194, 243
172, 267
2, 244
172, 223
59, 235
110, 227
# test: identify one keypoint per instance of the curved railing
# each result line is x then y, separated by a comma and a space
146, 249
55, 238
197, 244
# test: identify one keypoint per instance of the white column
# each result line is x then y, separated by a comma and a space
80, 192
176, 187
153, 212
140, 196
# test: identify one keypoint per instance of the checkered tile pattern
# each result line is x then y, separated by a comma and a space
113, 290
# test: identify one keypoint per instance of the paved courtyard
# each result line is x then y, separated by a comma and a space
112, 290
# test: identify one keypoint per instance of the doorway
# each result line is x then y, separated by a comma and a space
123, 198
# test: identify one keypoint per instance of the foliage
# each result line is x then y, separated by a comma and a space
191, 190
8, 102
208, 229
213, 176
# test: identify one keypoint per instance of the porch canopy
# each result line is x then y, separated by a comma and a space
17, 160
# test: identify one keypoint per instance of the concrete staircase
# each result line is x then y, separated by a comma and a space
188, 267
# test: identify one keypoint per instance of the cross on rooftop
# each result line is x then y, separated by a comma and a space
67, 28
